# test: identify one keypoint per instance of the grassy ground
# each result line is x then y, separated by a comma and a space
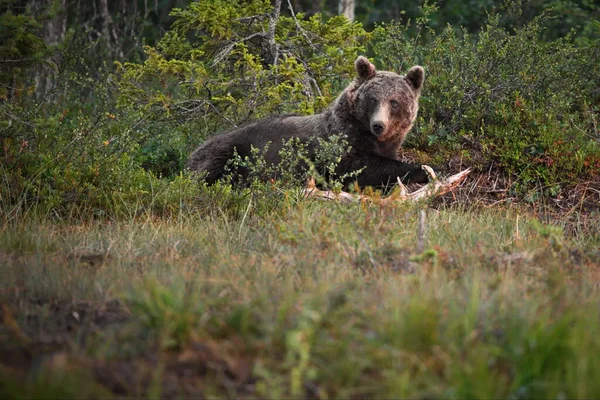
308, 299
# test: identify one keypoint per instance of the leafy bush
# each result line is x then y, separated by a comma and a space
21, 48
503, 96
223, 63
298, 163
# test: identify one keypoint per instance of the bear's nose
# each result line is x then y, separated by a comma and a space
377, 127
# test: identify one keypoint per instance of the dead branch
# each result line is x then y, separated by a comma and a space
299, 27
268, 36
227, 49
435, 187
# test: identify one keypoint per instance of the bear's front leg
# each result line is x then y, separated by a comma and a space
381, 172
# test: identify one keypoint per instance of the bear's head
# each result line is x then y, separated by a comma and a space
383, 102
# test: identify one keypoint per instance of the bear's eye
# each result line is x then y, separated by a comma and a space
394, 103
372, 101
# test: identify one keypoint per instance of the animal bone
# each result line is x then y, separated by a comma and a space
435, 187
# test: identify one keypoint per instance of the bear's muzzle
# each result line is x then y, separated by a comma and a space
380, 119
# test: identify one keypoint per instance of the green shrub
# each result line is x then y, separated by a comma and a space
503, 96
21, 48
223, 63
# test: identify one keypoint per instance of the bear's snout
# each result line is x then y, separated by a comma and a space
377, 127
379, 120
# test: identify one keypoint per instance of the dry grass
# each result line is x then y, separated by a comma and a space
304, 300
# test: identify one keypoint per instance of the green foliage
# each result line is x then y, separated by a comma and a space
169, 314
225, 62
539, 147
327, 157
578, 16
299, 162
21, 48
504, 96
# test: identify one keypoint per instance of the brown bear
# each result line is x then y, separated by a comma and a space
374, 114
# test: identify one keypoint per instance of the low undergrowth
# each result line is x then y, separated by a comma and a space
308, 299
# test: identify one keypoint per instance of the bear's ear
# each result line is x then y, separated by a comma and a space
364, 68
416, 76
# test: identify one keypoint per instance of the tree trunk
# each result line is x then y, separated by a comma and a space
106, 22
346, 8
53, 32
56, 28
